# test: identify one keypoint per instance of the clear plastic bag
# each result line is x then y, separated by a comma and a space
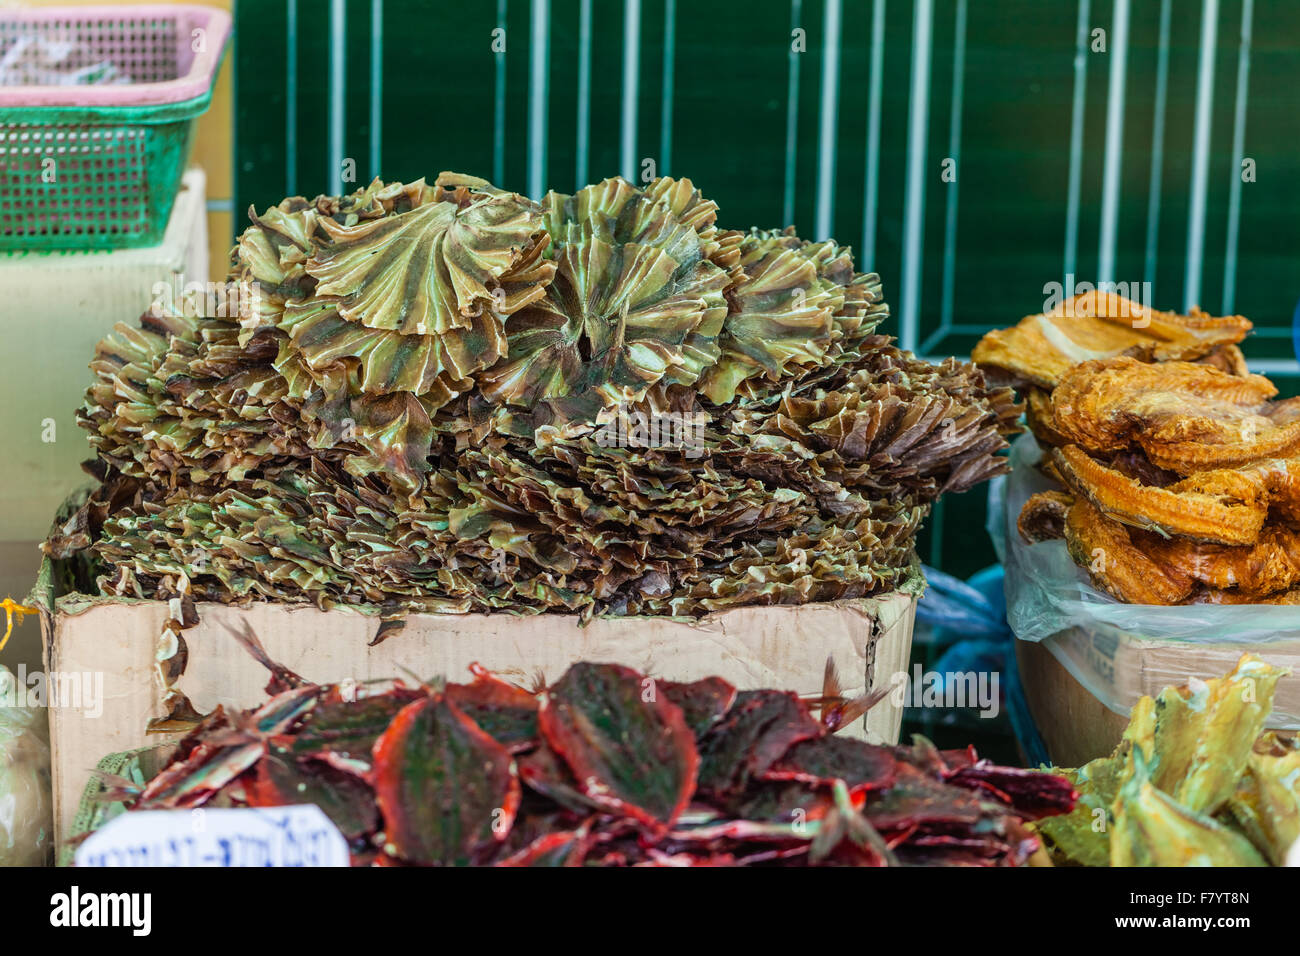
1120, 652
26, 823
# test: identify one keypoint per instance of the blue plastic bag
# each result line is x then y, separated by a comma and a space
969, 622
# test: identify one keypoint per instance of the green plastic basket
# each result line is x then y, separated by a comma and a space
94, 810
98, 166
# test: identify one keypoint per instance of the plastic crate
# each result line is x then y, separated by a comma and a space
98, 166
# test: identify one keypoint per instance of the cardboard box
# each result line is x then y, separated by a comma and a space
115, 641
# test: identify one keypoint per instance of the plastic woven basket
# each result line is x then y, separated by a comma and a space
94, 810
96, 165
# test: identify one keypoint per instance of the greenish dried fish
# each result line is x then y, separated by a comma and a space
450, 398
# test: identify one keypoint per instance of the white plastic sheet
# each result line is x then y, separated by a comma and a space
25, 813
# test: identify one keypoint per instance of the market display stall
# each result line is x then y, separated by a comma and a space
463, 525
435, 404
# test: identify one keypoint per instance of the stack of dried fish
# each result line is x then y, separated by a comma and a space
452, 398
1180, 479
604, 767
1196, 781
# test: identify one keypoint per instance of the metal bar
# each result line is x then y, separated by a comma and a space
291, 100
631, 86
1238, 156
1201, 153
584, 93
968, 328
1157, 151
918, 122
792, 118
1076, 142
499, 101
338, 64
954, 152
376, 86
938, 335
875, 86
1114, 144
830, 112
670, 62
1275, 366
538, 95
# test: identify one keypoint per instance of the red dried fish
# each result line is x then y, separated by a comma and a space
348, 801
1032, 794
760, 727
606, 767
507, 712
703, 702
447, 791
824, 760
629, 749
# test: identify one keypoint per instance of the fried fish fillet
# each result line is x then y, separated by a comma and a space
1043, 516
1186, 417
1038, 416
1040, 349
1269, 566
1235, 596
1282, 478
1104, 548
1226, 358
1223, 506
1145, 568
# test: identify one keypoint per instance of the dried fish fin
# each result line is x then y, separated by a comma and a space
282, 678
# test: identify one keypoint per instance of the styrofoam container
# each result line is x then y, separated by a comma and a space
54, 309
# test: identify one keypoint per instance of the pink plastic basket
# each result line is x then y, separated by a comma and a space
98, 166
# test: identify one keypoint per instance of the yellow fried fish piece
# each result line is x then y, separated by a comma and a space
1151, 828
1266, 806
1197, 739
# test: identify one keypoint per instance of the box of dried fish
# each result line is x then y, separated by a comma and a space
516, 424
1093, 657
143, 678
1151, 533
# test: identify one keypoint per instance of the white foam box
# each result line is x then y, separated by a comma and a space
54, 309
752, 647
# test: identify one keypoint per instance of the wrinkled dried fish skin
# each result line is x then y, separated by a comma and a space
450, 398
1198, 456
1151, 828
